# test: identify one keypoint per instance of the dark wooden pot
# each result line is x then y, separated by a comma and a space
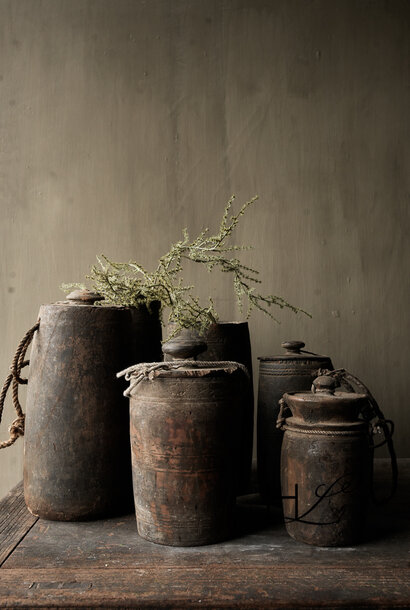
77, 462
326, 467
291, 371
185, 438
231, 341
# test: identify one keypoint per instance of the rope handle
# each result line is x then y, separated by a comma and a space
14, 378
371, 411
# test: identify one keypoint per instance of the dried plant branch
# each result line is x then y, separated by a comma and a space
129, 284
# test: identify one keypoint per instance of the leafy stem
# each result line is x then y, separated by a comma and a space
129, 284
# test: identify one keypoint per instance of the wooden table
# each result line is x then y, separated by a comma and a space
105, 564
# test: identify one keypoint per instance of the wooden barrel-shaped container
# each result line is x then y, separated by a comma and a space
292, 371
326, 465
185, 428
77, 462
230, 341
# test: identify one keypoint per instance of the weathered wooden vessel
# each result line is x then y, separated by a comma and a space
77, 462
225, 341
326, 464
185, 423
292, 371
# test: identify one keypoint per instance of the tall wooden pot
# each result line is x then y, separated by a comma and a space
230, 341
292, 371
77, 449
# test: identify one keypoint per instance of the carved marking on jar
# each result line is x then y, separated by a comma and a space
342, 485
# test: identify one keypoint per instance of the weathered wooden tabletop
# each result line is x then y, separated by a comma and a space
105, 564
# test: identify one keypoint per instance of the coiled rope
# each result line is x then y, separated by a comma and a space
16, 429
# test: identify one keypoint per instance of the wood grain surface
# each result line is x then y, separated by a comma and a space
15, 521
288, 586
106, 564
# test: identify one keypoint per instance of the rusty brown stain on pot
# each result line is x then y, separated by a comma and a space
185, 438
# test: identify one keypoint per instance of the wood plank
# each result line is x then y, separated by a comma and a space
260, 541
116, 543
15, 521
295, 587
105, 564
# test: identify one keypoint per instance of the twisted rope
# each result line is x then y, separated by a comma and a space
16, 428
149, 370
325, 432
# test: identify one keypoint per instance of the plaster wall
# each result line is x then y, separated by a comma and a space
122, 121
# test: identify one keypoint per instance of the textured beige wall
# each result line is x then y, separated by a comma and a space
121, 121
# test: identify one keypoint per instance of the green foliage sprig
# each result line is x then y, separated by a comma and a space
212, 251
129, 284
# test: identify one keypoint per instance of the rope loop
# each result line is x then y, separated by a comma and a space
16, 428
14, 379
372, 414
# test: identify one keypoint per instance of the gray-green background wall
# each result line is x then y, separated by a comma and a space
122, 121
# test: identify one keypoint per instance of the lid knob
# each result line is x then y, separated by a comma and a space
84, 297
292, 347
324, 385
185, 346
